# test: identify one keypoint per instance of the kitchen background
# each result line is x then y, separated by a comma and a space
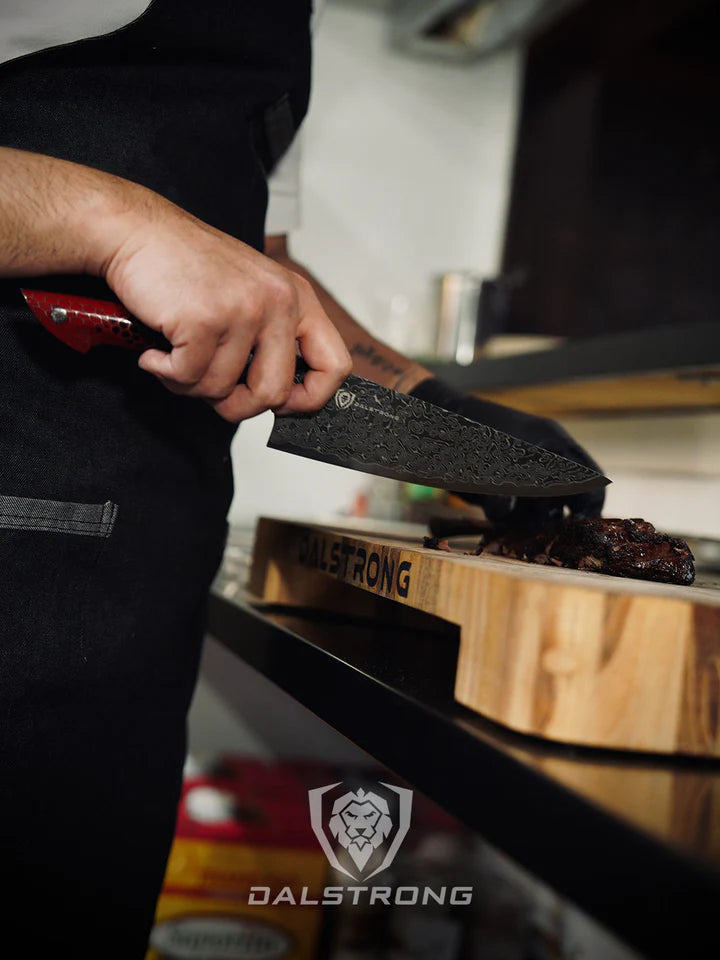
406, 173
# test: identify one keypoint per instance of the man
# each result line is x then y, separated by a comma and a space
133, 164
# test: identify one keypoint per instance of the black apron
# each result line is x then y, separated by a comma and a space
114, 492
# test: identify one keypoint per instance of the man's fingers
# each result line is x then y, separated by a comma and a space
270, 316
153, 361
225, 369
323, 350
184, 366
269, 380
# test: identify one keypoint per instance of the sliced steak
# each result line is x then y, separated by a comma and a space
620, 548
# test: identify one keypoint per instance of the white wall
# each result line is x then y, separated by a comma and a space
406, 164
664, 468
406, 172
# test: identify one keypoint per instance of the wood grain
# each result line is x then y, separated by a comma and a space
692, 389
567, 655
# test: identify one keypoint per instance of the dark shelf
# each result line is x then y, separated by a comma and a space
570, 816
664, 348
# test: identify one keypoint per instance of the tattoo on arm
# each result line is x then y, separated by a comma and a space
376, 359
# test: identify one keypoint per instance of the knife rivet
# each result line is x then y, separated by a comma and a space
58, 315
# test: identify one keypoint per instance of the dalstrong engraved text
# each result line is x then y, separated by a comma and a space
380, 572
346, 398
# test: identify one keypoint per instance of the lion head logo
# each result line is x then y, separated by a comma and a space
362, 823
344, 399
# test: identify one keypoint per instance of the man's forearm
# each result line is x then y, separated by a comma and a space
213, 297
58, 217
372, 359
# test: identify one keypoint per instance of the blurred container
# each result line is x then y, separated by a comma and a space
473, 310
459, 311
243, 824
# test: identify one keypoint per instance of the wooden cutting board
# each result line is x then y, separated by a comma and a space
562, 654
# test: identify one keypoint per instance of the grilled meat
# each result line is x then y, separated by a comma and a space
620, 548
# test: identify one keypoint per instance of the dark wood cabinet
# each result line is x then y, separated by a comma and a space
614, 219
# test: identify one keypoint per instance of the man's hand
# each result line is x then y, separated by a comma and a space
217, 300
214, 298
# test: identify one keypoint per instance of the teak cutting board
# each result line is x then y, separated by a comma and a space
562, 654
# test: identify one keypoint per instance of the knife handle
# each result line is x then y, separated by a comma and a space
83, 323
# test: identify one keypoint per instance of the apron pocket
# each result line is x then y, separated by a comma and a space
50, 551
55, 516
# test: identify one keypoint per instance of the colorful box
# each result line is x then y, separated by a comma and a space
244, 825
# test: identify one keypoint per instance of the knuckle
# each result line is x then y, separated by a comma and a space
230, 416
246, 300
186, 379
252, 316
215, 393
270, 397
282, 294
262, 398
205, 323
302, 283
282, 395
231, 409
233, 416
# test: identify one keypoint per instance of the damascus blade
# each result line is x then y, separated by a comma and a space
376, 430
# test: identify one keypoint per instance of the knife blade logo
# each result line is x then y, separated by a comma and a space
344, 399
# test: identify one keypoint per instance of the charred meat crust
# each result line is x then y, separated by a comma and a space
436, 543
620, 548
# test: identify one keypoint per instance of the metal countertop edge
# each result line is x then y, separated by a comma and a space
660, 900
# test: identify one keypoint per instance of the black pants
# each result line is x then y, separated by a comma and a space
113, 496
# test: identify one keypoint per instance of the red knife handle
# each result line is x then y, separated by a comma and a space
83, 323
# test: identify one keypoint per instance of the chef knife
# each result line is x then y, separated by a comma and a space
364, 426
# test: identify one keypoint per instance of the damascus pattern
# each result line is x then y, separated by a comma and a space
374, 429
